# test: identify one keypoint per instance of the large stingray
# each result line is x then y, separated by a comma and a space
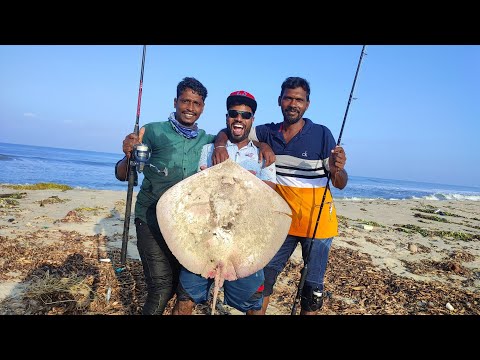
223, 223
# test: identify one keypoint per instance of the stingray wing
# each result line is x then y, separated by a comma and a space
223, 220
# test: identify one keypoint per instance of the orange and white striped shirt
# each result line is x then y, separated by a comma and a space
302, 168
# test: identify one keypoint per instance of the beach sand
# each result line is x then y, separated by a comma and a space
390, 257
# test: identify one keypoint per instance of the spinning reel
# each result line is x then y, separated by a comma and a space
141, 155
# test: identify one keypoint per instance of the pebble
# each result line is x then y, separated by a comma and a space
450, 307
413, 248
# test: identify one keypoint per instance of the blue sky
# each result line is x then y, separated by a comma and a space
416, 116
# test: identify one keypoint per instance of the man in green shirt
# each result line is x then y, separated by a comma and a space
175, 147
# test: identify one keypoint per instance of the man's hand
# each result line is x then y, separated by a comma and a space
337, 159
121, 168
220, 154
336, 162
131, 140
266, 153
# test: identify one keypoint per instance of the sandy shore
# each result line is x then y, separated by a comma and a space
391, 257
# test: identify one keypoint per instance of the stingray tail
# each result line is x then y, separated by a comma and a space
218, 284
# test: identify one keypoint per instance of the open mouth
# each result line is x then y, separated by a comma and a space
188, 115
238, 129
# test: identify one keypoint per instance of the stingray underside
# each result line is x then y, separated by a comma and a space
223, 219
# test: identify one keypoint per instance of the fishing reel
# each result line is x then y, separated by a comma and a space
141, 155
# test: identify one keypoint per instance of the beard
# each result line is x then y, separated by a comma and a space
291, 118
238, 138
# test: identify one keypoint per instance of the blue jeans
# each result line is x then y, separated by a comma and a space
243, 294
160, 267
317, 263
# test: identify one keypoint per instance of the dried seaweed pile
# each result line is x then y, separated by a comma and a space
63, 273
355, 286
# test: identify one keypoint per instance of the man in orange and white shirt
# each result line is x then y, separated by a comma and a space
305, 153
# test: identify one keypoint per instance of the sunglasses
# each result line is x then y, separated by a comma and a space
245, 114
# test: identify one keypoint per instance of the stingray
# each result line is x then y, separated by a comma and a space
223, 223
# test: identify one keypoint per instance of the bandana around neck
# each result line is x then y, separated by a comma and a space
189, 133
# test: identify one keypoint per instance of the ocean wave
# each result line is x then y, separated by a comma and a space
459, 197
438, 197
7, 157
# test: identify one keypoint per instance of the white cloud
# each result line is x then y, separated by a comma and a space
29, 114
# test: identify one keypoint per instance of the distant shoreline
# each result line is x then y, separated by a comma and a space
337, 197
114, 157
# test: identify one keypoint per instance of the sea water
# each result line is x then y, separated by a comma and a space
26, 164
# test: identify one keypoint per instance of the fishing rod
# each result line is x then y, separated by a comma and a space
131, 171
327, 187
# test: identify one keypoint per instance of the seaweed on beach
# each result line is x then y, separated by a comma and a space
8, 203
94, 210
353, 284
51, 200
40, 186
409, 228
72, 216
358, 287
64, 276
461, 256
18, 195
64, 272
456, 235
343, 220
431, 210
431, 217
367, 222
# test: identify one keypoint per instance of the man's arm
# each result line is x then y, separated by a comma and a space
266, 153
268, 174
220, 153
271, 184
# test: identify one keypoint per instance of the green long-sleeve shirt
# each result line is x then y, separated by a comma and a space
169, 150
